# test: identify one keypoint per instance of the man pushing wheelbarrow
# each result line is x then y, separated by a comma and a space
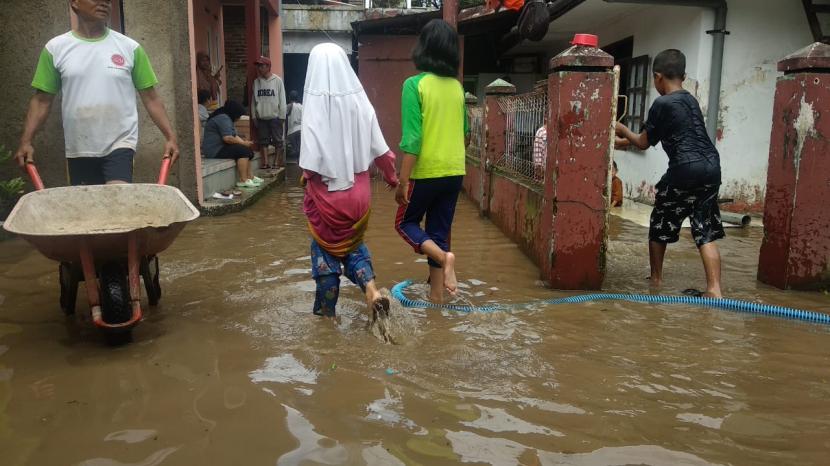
91, 230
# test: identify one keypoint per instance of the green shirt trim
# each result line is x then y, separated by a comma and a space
411, 116
47, 78
143, 75
96, 39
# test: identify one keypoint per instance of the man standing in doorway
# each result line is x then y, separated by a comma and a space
268, 106
98, 72
294, 126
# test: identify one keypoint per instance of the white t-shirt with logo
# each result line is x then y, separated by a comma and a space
98, 79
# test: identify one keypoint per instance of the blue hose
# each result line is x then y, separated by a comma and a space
725, 304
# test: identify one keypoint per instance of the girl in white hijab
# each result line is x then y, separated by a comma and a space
341, 140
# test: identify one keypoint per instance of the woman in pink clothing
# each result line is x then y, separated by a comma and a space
341, 140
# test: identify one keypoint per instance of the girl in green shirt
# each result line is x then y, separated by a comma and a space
433, 141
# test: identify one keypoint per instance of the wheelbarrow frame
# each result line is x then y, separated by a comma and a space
78, 253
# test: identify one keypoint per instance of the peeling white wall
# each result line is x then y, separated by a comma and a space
761, 33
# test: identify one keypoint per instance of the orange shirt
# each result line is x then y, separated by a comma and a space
616, 192
506, 4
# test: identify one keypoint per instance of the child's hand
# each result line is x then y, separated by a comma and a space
620, 128
621, 143
402, 194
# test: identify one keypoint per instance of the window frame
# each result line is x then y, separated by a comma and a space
636, 71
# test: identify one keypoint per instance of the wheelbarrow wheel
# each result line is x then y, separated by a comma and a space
68, 279
118, 338
115, 293
150, 275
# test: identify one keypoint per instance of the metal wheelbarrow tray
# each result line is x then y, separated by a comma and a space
97, 226
57, 221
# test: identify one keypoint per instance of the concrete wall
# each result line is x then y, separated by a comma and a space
384, 65
320, 17
36, 22
761, 36
163, 29
516, 209
303, 42
762, 32
160, 28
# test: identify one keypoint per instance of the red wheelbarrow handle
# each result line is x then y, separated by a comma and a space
31, 169
165, 169
34, 175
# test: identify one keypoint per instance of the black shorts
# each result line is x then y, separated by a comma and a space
672, 205
269, 132
117, 166
234, 151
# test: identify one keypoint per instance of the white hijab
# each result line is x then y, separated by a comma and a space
341, 134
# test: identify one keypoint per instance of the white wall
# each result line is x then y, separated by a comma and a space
762, 32
303, 42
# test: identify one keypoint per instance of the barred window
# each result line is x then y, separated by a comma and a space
634, 84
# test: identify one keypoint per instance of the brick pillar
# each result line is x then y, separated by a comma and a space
795, 252
494, 124
581, 108
450, 12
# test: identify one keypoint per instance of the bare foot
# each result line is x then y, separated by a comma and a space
654, 282
450, 282
380, 307
713, 294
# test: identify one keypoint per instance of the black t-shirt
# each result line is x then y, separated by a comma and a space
675, 120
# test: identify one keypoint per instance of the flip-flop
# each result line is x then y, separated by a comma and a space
693, 292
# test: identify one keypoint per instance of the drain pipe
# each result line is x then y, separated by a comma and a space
718, 34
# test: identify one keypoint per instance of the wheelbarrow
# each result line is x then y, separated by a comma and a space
108, 236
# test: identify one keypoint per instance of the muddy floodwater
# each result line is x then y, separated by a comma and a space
233, 369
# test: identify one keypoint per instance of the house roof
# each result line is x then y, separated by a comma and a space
474, 20
478, 20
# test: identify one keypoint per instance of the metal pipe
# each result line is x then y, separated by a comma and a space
718, 41
716, 74
738, 219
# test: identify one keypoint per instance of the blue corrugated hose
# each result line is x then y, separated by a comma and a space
725, 304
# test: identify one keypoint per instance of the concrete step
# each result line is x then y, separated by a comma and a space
216, 207
220, 174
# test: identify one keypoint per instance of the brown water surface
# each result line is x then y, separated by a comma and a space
233, 369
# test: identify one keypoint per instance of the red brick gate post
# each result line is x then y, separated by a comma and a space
582, 105
795, 252
494, 121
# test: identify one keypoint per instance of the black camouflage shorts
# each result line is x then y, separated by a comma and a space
672, 206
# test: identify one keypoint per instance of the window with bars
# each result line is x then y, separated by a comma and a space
634, 84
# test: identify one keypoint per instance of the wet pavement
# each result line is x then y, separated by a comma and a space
232, 368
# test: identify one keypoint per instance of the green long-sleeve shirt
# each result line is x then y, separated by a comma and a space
434, 123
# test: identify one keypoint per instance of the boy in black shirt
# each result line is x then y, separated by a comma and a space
690, 186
